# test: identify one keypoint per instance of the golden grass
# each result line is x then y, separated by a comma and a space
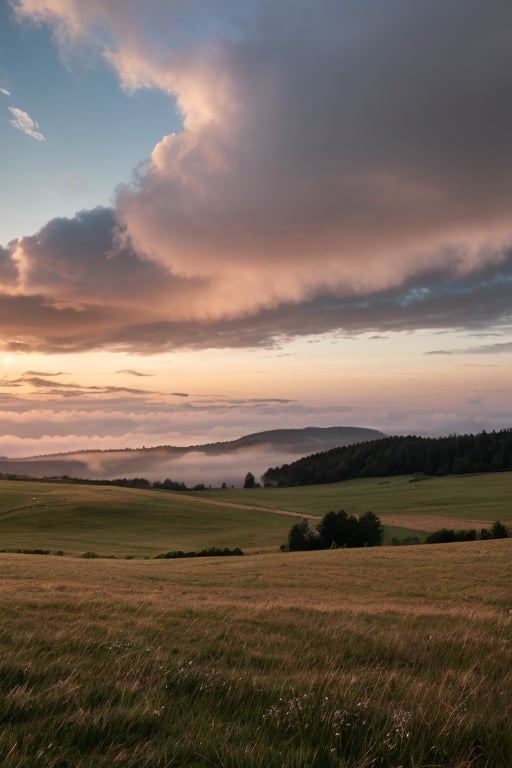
331, 659
453, 578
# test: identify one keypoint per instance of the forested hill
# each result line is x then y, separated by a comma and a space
457, 454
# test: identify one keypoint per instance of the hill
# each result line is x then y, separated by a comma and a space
456, 454
212, 463
108, 520
306, 439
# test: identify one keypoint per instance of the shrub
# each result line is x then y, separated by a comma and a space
302, 538
443, 536
370, 532
407, 541
499, 531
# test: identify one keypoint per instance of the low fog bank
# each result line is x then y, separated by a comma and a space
191, 468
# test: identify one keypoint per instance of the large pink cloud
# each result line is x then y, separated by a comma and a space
330, 152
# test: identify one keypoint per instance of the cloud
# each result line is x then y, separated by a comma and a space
503, 347
8, 269
89, 261
5, 91
35, 426
79, 284
44, 374
37, 382
342, 167
23, 122
130, 372
280, 164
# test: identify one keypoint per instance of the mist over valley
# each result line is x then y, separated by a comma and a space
210, 464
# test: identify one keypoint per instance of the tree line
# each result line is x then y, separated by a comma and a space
447, 535
456, 454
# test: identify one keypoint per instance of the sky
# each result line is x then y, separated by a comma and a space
225, 216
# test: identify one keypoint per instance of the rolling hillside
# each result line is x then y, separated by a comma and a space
74, 518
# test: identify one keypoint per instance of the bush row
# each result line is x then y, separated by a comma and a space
211, 552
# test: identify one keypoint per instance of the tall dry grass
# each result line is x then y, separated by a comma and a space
339, 658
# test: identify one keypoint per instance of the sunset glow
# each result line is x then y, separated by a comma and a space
218, 219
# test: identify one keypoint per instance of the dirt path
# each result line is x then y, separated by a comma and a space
253, 507
416, 522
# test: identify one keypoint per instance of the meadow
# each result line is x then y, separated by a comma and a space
130, 522
334, 659
367, 658
418, 502
126, 522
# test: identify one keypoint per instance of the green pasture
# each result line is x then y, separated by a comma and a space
482, 497
126, 521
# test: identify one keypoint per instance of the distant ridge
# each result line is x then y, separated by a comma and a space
304, 440
175, 461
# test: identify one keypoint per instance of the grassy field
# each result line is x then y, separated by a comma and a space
337, 659
407, 501
130, 522
126, 521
